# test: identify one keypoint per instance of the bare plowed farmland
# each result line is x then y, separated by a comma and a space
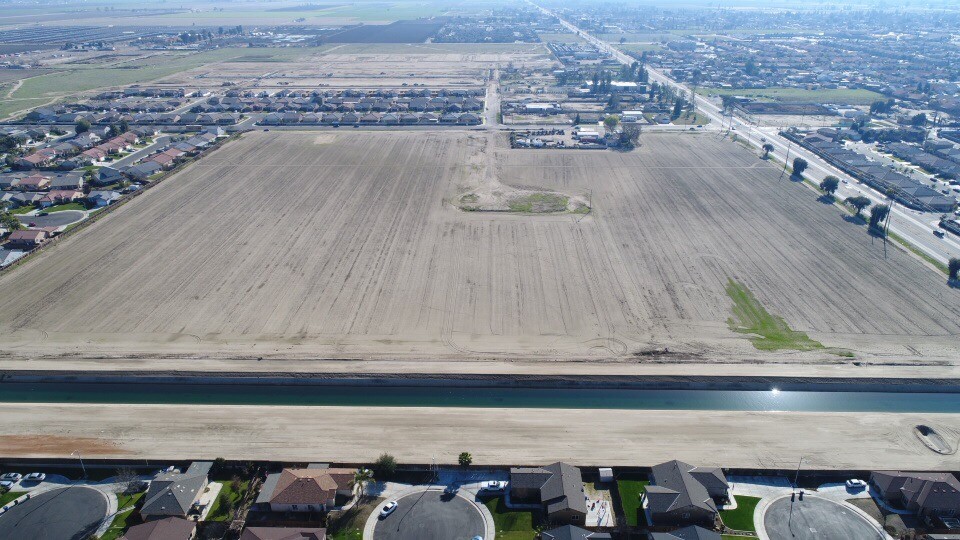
350, 244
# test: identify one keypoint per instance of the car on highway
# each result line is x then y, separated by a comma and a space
856, 484
35, 477
11, 477
494, 486
388, 509
938, 234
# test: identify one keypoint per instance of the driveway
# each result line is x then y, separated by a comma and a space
431, 515
814, 518
60, 514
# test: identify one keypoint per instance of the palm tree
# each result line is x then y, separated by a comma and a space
360, 479
767, 148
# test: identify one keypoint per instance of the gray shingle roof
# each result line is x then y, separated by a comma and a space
172, 494
681, 485
687, 533
569, 532
560, 485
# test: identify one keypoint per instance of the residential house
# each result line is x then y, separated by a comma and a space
569, 532
27, 238
67, 181
60, 196
108, 175
557, 487
691, 532
169, 528
174, 493
10, 256
36, 159
305, 490
26, 198
283, 533
34, 182
681, 494
103, 198
144, 170
927, 494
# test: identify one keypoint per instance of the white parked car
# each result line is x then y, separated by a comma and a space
35, 477
388, 509
495, 486
11, 477
6, 484
855, 484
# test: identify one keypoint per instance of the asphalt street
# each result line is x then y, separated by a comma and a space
431, 515
61, 514
53, 219
814, 518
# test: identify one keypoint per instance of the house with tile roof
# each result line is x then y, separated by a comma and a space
305, 490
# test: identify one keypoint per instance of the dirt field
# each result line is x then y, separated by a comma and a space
420, 435
347, 244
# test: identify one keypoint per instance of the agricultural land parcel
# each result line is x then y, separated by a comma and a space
337, 244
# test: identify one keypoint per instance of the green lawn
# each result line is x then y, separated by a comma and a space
630, 491
768, 332
850, 96
349, 526
511, 524
220, 511
20, 210
691, 118
9, 496
126, 518
68, 206
741, 519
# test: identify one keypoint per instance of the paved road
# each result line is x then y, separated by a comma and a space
916, 227
814, 518
130, 159
61, 514
53, 219
431, 515
491, 112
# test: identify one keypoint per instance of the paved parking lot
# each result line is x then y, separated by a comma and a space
814, 518
431, 515
60, 514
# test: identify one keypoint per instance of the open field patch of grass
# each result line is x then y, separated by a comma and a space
539, 203
68, 206
349, 525
850, 96
126, 518
741, 517
770, 333
639, 47
10, 496
228, 499
630, 493
511, 524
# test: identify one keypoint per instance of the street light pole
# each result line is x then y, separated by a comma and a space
82, 467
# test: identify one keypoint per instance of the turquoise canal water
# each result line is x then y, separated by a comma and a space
373, 395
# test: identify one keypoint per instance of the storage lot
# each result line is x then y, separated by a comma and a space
346, 244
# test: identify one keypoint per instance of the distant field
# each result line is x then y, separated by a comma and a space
438, 48
639, 47
398, 32
560, 38
346, 243
856, 96
80, 78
